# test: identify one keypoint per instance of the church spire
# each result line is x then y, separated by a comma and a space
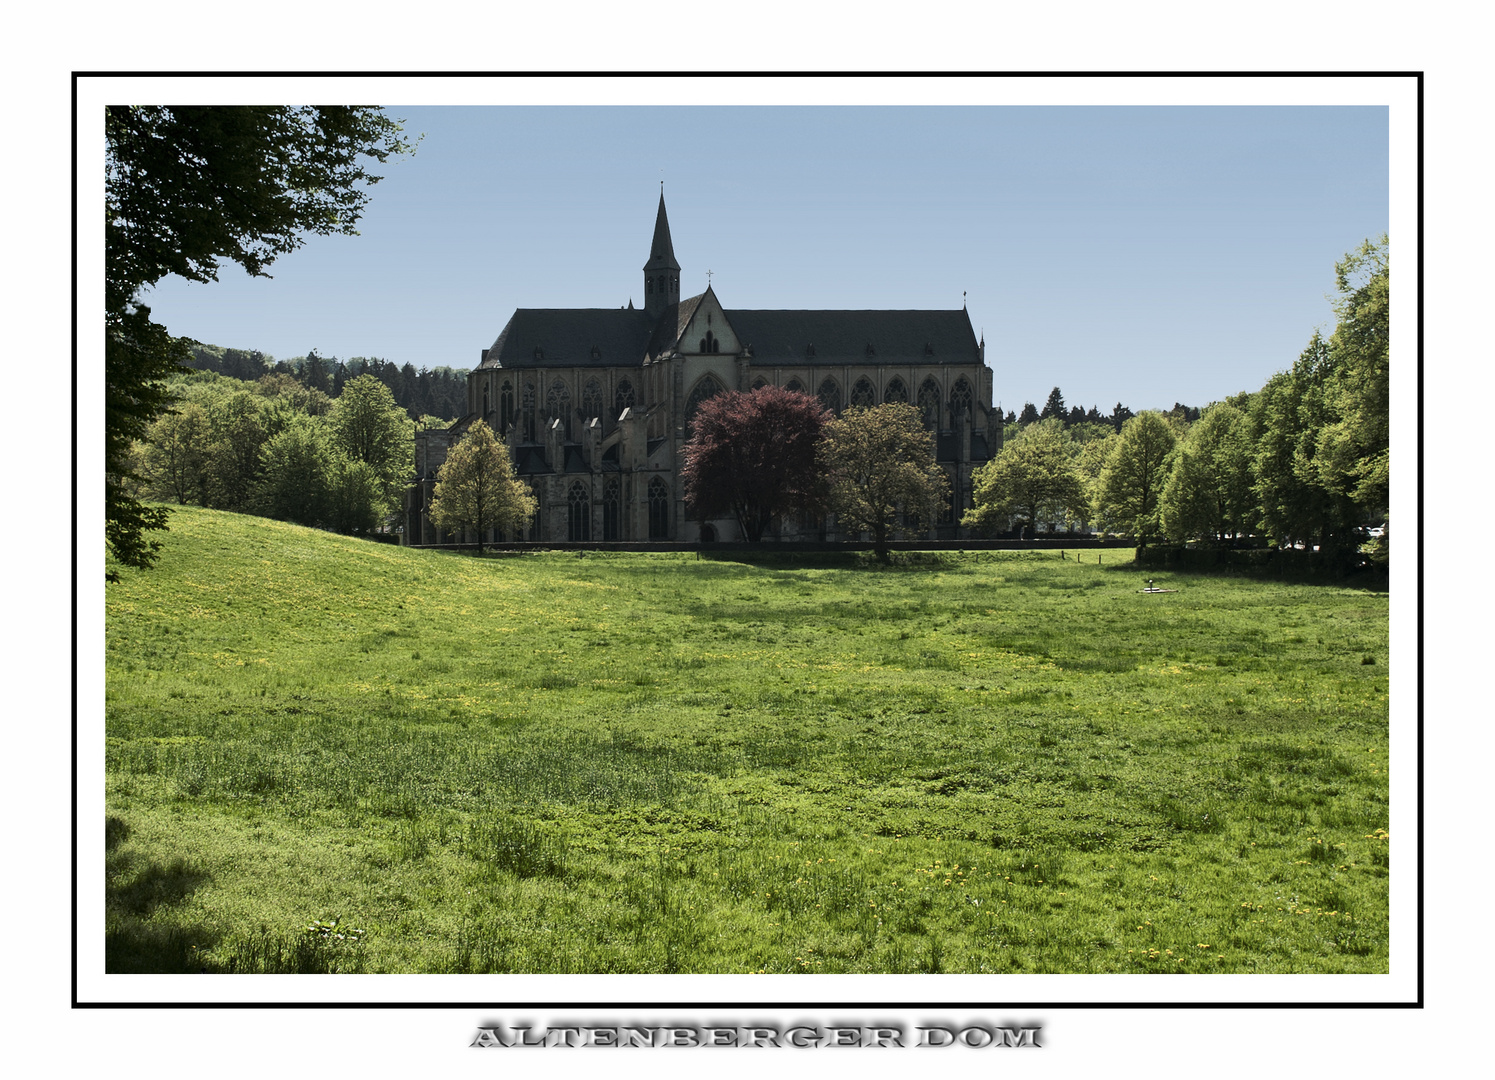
661, 272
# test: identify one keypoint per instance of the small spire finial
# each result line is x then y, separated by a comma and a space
708, 278
962, 298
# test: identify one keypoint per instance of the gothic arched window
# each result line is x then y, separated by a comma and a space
486, 408
623, 399
527, 410
558, 406
960, 398
708, 387
612, 509
929, 403
505, 407
794, 386
591, 400
659, 509
578, 513
760, 381
829, 395
862, 394
710, 344
896, 391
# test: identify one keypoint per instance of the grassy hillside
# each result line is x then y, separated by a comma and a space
646, 762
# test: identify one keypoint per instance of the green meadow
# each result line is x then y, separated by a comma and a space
325, 754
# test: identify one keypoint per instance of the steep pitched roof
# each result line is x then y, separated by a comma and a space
571, 337
843, 337
662, 250
672, 323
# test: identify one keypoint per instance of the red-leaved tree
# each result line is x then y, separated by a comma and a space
753, 455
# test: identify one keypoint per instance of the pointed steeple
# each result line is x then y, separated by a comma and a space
661, 272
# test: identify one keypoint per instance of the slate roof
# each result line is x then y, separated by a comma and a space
566, 337
672, 323
662, 250
841, 337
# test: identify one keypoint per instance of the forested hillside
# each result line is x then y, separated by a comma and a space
440, 391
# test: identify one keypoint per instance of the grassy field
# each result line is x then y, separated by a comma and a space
331, 755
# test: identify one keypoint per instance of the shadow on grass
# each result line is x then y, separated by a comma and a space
1266, 565
135, 888
141, 936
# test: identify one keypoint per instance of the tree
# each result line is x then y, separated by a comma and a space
1029, 415
1290, 413
368, 426
237, 434
1054, 407
878, 462
175, 453
186, 187
1354, 449
1208, 495
476, 488
1031, 477
753, 455
294, 474
1131, 485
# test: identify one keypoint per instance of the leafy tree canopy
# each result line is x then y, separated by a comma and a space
753, 455
1032, 477
1131, 485
476, 488
185, 188
880, 462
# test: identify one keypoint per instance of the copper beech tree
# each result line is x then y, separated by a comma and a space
752, 455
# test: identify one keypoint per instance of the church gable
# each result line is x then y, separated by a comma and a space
708, 330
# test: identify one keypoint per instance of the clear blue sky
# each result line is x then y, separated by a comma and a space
1145, 255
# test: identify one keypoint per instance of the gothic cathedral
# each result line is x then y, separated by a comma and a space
595, 403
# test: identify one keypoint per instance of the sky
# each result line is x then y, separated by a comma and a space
1142, 255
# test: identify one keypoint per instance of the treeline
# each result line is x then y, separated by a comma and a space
440, 391
279, 448
1304, 461
1073, 416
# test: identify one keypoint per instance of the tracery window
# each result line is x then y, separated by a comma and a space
760, 381
960, 398
623, 399
659, 509
708, 387
929, 403
896, 391
829, 395
612, 509
558, 406
710, 344
795, 386
579, 513
863, 395
527, 411
591, 400
505, 407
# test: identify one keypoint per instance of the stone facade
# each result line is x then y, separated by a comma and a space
595, 403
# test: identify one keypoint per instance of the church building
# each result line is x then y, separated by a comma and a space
595, 404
